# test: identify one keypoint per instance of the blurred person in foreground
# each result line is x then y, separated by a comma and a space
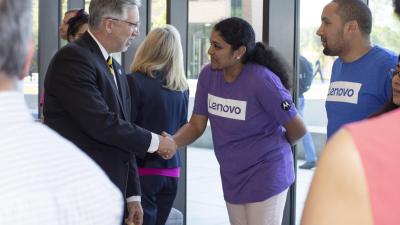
364, 188
244, 93
44, 179
160, 99
87, 99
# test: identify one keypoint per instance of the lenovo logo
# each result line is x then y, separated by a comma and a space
341, 91
228, 108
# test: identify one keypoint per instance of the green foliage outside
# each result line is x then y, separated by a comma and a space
386, 25
159, 13
35, 30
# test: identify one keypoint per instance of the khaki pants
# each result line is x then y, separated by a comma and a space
267, 212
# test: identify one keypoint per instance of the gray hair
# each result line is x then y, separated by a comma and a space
15, 35
100, 9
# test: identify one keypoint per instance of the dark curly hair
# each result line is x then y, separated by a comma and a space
75, 23
238, 32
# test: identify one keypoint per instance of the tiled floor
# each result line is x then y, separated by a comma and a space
205, 204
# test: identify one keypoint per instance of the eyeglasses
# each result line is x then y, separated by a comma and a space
133, 26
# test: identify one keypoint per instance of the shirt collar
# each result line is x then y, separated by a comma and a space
102, 49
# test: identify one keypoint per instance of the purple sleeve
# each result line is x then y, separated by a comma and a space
200, 101
275, 98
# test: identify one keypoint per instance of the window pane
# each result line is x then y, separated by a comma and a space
158, 13
64, 8
201, 23
87, 3
31, 82
384, 21
311, 102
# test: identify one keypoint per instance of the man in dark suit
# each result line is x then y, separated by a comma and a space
87, 99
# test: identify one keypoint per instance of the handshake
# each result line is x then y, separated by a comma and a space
167, 147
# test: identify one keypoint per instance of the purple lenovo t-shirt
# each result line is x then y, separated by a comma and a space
246, 118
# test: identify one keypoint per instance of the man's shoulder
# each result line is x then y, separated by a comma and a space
384, 50
384, 54
74, 54
73, 49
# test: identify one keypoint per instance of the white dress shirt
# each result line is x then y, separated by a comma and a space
45, 179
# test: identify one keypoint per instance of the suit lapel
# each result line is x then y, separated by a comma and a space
91, 43
119, 75
110, 78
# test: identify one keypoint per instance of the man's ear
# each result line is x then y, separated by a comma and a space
28, 60
351, 27
108, 24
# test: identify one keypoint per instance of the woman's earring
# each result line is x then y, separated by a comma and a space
237, 57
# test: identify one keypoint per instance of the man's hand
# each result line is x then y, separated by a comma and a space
167, 147
135, 216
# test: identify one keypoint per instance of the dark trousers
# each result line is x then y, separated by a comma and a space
158, 195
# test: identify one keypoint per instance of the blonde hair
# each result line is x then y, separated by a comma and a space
162, 51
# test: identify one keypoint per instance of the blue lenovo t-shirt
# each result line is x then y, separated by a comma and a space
359, 88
